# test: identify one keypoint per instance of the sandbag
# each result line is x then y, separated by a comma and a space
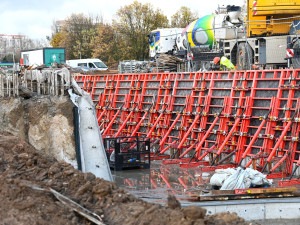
238, 178
220, 176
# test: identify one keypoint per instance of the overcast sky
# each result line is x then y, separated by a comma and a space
34, 18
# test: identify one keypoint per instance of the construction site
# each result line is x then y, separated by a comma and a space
183, 138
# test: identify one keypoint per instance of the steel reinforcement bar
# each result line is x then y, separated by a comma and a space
246, 118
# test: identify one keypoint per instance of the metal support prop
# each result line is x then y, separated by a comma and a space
141, 121
157, 121
125, 121
162, 142
166, 148
228, 136
247, 151
207, 133
103, 112
113, 120
280, 139
196, 120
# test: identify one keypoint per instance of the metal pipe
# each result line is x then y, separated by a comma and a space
255, 137
188, 150
277, 144
228, 156
113, 119
165, 149
156, 122
229, 135
279, 163
171, 127
125, 121
191, 128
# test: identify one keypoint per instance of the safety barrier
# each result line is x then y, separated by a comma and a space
223, 118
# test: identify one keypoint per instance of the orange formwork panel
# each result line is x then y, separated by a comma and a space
246, 118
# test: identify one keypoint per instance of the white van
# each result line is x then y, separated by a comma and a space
87, 64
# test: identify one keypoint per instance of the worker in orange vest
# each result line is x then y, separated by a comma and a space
224, 62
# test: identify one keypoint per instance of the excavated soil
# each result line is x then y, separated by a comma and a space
27, 176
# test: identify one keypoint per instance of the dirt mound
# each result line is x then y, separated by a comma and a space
27, 195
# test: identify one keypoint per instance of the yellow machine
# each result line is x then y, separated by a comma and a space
271, 41
271, 17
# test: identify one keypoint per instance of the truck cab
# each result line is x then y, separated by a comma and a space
163, 40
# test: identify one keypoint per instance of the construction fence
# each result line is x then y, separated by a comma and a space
214, 119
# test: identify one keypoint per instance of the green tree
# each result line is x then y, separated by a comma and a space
133, 23
108, 45
76, 35
8, 58
183, 17
56, 40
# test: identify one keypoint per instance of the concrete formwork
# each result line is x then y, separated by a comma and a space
250, 116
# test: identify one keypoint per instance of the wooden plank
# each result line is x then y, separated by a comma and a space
265, 190
241, 196
222, 192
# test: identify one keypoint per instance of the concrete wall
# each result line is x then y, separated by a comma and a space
45, 122
256, 209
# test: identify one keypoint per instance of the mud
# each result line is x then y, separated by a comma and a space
22, 168
46, 122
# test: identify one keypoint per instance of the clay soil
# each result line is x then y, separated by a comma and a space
26, 177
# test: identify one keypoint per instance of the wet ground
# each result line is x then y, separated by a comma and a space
155, 184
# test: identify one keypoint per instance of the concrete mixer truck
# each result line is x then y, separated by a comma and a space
267, 37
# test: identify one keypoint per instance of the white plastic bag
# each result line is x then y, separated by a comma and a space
238, 178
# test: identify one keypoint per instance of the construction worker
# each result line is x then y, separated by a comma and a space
224, 62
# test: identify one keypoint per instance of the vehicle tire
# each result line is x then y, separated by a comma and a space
242, 57
205, 66
296, 58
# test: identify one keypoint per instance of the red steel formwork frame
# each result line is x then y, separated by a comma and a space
218, 118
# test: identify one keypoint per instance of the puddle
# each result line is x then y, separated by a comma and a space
156, 183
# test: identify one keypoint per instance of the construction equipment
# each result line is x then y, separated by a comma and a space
266, 38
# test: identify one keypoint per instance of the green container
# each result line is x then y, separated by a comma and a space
52, 55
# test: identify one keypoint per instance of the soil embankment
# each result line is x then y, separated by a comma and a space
36, 138
22, 167
45, 122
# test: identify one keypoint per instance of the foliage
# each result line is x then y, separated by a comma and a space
183, 17
108, 45
56, 40
9, 58
75, 35
125, 38
134, 22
